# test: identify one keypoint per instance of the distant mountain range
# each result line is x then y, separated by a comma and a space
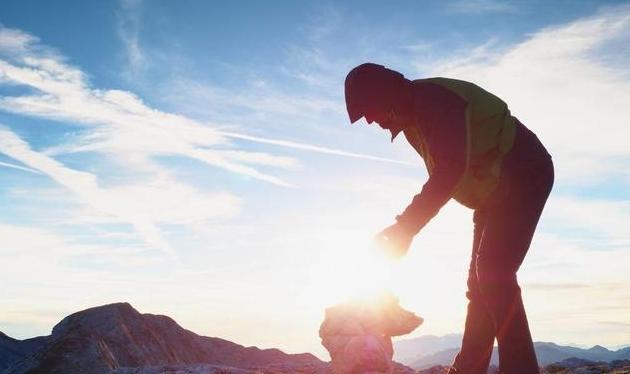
409, 350
427, 355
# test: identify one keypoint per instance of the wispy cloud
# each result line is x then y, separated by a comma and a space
18, 167
15, 41
555, 286
313, 148
605, 218
481, 6
143, 206
120, 126
559, 84
621, 325
129, 23
258, 102
561, 259
44, 264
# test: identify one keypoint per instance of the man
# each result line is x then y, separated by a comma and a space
476, 152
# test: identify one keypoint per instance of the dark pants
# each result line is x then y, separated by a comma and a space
503, 232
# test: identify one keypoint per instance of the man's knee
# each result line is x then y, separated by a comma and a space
495, 271
496, 286
473, 293
486, 284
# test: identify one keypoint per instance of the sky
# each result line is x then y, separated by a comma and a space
195, 159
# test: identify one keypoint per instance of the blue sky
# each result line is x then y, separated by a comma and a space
195, 160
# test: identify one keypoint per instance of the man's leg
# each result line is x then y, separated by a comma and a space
478, 340
508, 232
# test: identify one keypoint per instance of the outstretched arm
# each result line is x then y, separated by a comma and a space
434, 194
442, 117
442, 120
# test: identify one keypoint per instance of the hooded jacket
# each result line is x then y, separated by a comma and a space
462, 132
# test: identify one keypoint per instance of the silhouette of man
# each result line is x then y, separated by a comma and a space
477, 153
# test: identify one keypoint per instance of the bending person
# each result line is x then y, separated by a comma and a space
477, 153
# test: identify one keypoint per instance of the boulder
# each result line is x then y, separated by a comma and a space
357, 334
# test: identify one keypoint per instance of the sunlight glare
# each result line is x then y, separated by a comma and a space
353, 268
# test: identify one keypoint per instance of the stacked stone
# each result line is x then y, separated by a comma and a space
358, 334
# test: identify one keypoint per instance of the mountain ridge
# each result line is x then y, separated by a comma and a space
547, 353
114, 336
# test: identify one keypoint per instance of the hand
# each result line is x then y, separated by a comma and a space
395, 240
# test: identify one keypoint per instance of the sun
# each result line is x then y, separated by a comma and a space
351, 267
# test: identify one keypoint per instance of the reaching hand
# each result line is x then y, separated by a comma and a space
395, 240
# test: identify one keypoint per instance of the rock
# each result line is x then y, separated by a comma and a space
358, 334
575, 365
14, 350
185, 369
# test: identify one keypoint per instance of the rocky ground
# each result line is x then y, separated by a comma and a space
118, 339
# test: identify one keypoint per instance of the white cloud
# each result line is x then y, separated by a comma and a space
481, 6
608, 217
143, 206
260, 158
314, 66
314, 148
47, 276
15, 41
123, 125
120, 126
259, 99
558, 82
129, 24
569, 287
18, 167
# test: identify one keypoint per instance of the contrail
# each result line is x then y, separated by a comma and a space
19, 167
313, 148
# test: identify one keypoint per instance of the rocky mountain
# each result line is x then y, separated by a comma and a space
444, 357
581, 366
118, 337
12, 350
408, 350
547, 353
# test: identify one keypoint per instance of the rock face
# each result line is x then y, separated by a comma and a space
358, 334
116, 336
185, 369
13, 350
581, 366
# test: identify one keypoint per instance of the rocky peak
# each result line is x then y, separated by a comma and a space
5, 338
100, 318
114, 336
599, 349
